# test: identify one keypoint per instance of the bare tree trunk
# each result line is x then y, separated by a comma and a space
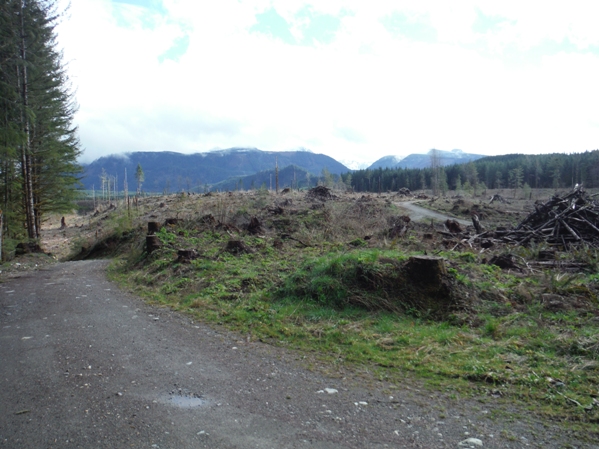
0, 235
26, 147
435, 171
276, 175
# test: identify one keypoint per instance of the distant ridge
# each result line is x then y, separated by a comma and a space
424, 160
385, 162
171, 171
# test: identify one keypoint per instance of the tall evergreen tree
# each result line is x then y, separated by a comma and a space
38, 142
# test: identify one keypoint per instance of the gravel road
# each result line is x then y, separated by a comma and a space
85, 365
419, 213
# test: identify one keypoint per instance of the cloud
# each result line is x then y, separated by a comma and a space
352, 79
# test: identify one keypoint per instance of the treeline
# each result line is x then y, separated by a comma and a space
38, 142
514, 171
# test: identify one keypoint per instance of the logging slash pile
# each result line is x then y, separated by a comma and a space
561, 221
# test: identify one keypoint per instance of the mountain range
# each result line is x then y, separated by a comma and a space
172, 172
424, 160
167, 171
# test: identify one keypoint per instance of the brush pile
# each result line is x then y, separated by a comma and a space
562, 221
320, 193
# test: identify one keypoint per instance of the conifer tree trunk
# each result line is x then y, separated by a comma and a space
25, 148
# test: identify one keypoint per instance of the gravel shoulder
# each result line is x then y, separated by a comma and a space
84, 364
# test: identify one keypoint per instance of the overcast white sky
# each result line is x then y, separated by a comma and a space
354, 79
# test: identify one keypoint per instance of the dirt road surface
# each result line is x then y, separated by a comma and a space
419, 213
85, 365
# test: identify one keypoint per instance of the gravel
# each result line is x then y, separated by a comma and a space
84, 364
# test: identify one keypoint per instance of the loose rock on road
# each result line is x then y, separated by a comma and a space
85, 365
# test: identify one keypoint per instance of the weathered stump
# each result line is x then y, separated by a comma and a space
208, 220
237, 247
28, 248
505, 262
453, 226
171, 222
255, 227
398, 231
476, 223
153, 227
486, 243
426, 270
152, 243
186, 255
428, 287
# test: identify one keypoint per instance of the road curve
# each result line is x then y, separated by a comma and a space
419, 213
85, 365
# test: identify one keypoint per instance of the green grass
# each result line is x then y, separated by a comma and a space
352, 305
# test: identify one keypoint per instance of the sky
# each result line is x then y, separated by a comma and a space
354, 79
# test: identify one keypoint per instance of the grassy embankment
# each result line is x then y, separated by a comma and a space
327, 277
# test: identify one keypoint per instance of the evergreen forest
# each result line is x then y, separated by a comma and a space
38, 141
513, 171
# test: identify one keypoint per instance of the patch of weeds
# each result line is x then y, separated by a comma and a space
166, 237
357, 243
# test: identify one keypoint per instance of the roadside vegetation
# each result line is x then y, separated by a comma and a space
331, 275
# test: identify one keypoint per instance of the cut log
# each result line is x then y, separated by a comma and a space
547, 254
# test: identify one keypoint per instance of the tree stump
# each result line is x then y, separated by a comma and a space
186, 255
426, 271
487, 243
453, 226
255, 227
427, 287
505, 262
476, 223
237, 247
28, 248
153, 227
171, 222
208, 220
152, 243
